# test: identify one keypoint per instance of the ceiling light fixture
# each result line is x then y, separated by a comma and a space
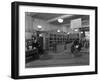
76, 30
60, 20
39, 26
58, 30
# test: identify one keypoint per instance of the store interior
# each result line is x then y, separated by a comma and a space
49, 35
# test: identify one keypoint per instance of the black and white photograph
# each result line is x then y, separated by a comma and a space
51, 40
56, 39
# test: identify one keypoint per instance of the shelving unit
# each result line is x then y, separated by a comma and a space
55, 39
